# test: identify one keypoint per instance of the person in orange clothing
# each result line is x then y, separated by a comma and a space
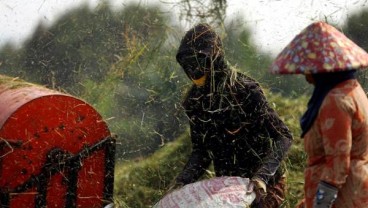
335, 125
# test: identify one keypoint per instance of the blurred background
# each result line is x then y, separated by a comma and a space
119, 56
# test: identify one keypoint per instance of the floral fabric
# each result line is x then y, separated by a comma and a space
337, 147
319, 48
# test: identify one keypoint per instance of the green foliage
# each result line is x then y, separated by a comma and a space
143, 183
10, 61
356, 28
243, 54
212, 11
141, 93
83, 44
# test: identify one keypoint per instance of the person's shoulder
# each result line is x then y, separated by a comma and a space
245, 80
344, 89
247, 83
342, 96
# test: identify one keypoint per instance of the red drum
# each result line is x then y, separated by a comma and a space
55, 149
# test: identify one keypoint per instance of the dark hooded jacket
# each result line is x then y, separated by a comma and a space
231, 122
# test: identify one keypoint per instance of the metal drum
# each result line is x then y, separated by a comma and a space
55, 149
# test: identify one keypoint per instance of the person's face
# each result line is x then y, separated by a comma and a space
196, 66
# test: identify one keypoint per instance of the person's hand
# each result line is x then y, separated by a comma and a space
325, 196
259, 188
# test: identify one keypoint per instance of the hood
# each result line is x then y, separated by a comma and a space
200, 51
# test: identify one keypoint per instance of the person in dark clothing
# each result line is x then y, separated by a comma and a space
231, 123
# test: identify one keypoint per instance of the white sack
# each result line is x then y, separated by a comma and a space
216, 192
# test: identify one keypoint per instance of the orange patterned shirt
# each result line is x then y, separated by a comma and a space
337, 146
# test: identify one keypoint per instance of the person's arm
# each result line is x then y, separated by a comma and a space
198, 161
281, 137
336, 120
280, 144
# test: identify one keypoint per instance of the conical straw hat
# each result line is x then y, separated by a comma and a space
319, 48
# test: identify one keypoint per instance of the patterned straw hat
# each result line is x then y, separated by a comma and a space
319, 48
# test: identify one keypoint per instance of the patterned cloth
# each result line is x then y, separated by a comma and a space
319, 48
337, 147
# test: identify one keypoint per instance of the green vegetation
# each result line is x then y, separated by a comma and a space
290, 110
142, 183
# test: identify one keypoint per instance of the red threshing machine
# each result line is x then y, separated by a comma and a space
55, 149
